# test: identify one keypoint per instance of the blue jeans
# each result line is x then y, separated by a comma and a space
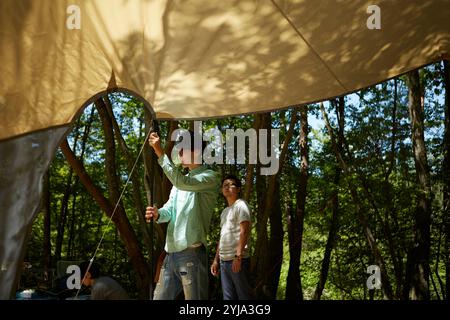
236, 285
186, 270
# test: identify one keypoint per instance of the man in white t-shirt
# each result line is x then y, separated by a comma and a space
232, 249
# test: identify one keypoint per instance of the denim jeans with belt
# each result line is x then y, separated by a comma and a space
236, 285
186, 270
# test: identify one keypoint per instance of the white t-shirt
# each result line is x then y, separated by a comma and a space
230, 224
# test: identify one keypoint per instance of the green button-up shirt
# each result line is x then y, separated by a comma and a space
190, 205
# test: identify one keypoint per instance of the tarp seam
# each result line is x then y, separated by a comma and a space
308, 44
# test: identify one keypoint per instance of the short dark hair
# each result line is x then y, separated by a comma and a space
234, 178
194, 136
94, 270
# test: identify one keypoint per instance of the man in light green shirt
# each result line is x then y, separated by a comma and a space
188, 212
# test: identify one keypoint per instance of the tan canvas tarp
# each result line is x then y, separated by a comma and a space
202, 58
188, 59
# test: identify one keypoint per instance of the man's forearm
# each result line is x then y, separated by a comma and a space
158, 150
216, 257
243, 238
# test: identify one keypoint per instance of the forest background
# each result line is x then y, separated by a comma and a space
364, 180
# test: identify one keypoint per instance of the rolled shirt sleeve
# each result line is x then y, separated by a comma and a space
165, 212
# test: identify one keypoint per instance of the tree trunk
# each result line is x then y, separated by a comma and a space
295, 220
82, 209
349, 175
334, 224
293, 280
420, 253
153, 173
166, 184
389, 212
156, 193
265, 208
61, 224
71, 238
275, 247
395, 250
47, 246
260, 256
249, 177
72, 234
331, 240
446, 178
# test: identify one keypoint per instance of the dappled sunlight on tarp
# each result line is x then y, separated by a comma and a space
412, 34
